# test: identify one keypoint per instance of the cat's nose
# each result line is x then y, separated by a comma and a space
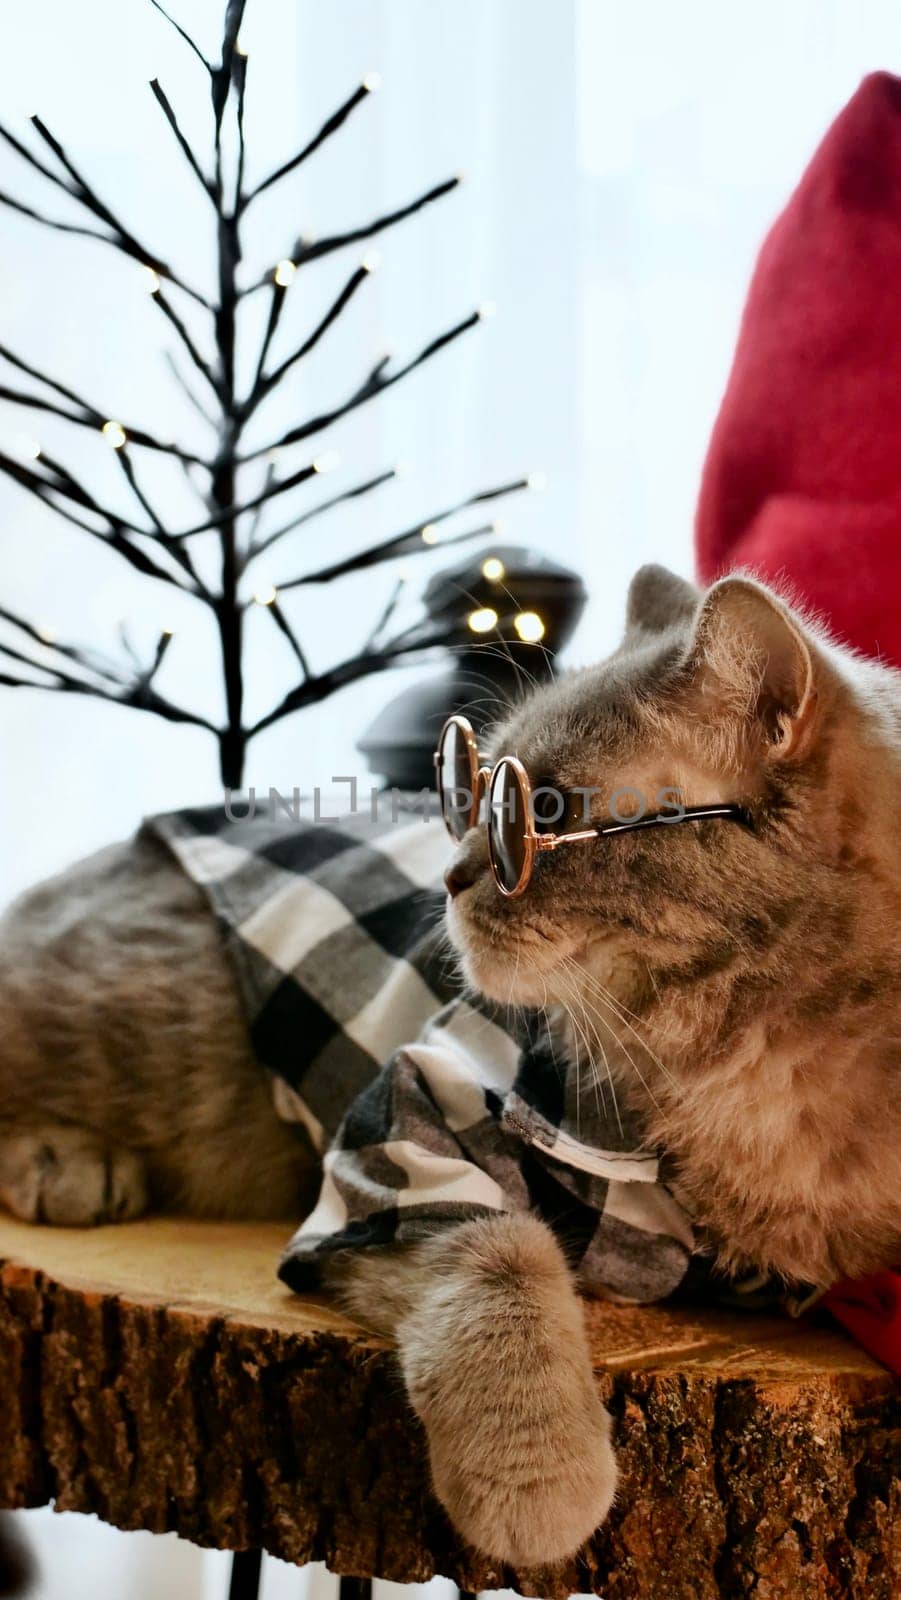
460, 875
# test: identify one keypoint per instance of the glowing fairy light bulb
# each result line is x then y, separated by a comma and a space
267, 595
493, 569
114, 434
371, 261
151, 280
429, 534
273, 454
482, 620
240, 47
284, 271
46, 635
327, 462
536, 480
487, 310
529, 627
372, 82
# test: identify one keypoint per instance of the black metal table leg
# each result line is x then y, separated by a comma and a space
355, 1588
245, 1578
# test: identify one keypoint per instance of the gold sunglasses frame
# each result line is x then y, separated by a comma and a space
482, 779
481, 782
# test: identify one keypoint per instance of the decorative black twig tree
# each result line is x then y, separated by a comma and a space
142, 538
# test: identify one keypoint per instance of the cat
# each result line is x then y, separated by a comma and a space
737, 986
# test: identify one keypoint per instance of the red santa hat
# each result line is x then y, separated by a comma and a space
802, 481
803, 476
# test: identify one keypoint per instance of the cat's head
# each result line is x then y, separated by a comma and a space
726, 697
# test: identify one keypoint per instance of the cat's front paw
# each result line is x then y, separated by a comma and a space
497, 1366
535, 1517
65, 1176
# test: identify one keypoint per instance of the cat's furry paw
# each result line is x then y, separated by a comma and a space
497, 1366
67, 1177
533, 1517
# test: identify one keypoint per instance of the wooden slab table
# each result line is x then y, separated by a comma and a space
159, 1375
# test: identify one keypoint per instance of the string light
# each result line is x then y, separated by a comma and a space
493, 569
403, 469
284, 271
499, 525
46, 636
482, 620
429, 534
372, 82
327, 462
273, 454
240, 47
529, 626
536, 480
266, 596
486, 310
151, 280
114, 434
371, 261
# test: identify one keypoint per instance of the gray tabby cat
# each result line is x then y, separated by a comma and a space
740, 986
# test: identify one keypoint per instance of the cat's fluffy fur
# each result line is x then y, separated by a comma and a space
740, 986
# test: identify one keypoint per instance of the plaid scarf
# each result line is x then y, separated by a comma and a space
428, 1108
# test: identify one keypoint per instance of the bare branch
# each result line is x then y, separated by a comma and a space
186, 36
166, 107
139, 697
114, 536
187, 390
330, 126
375, 383
310, 250
53, 222
222, 79
202, 366
278, 616
119, 237
263, 384
81, 656
316, 511
402, 544
386, 614
276, 305
87, 416
177, 551
32, 160
239, 74
231, 513
358, 666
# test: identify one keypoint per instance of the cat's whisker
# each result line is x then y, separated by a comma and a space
597, 989
631, 1060
593, 1032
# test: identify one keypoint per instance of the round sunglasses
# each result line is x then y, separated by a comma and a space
513, 838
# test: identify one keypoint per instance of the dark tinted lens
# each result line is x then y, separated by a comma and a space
506, 826
456, 779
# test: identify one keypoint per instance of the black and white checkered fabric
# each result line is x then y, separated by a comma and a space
428, 1107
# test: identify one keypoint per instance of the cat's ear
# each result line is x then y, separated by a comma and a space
750, 652
659, 600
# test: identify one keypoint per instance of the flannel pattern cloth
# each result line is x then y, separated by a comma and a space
428, 1107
